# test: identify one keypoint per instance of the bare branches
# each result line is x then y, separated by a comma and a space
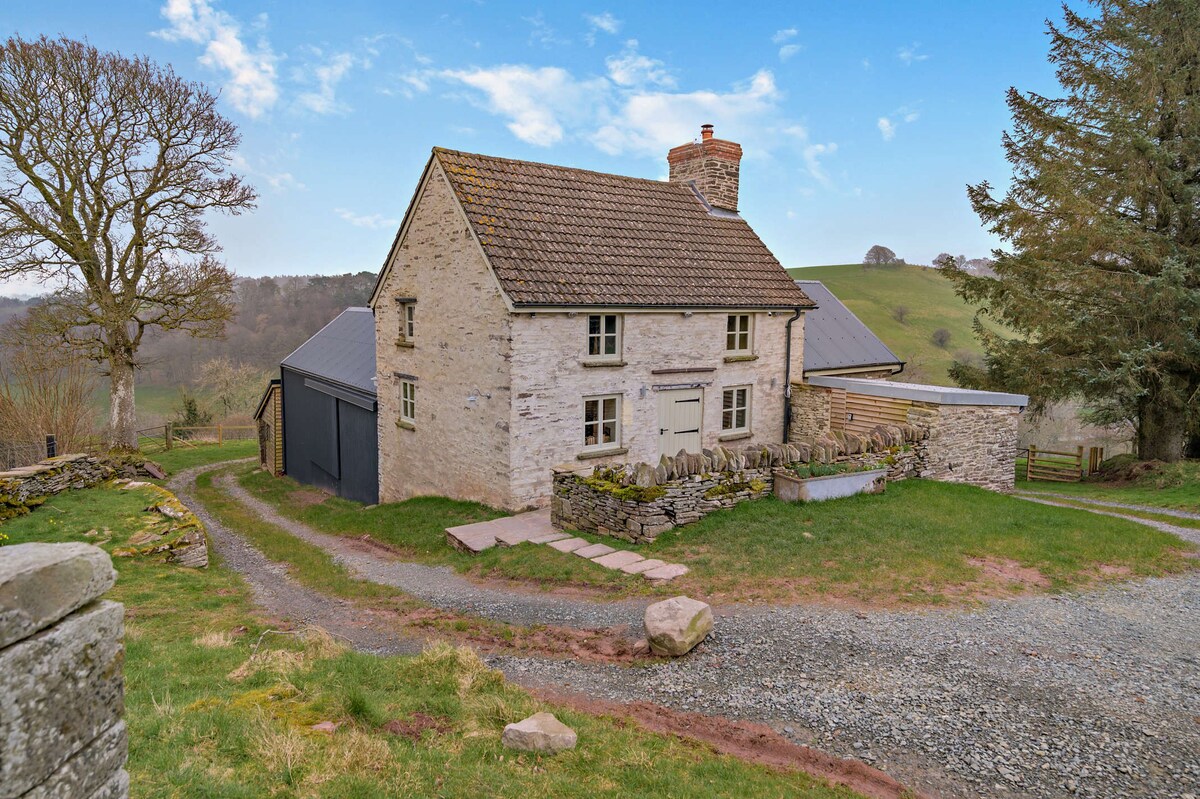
108, 168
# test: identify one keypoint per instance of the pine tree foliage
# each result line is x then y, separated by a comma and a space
1100, 274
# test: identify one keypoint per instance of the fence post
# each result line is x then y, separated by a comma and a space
169, 434
220, 436
51, 446
1029, 461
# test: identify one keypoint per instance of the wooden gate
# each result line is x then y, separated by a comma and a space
1060, 467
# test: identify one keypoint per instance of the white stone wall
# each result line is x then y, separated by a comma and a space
974, 444
549, 382
459, 446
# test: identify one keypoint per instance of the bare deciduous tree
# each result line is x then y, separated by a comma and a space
108, 166
234, 387
900, 313
940, 338
879, 254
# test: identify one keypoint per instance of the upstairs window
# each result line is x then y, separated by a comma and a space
408, 314
604, 336
735, 410
408, 401
738, 337
602, 422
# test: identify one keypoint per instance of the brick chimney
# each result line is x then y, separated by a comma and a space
713, 164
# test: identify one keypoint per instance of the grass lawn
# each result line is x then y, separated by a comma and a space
417, 529
210, 717
919, 543
1169, 485
182, 456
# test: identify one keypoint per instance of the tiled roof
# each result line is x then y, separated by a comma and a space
561, 236
834, 338
341, 352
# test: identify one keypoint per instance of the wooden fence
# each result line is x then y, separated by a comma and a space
1062, 467
166, 436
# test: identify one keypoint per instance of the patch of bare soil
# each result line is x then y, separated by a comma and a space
747, 741
1010, 573
307, 497
416, 724
605, 645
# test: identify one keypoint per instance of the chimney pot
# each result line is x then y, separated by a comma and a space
706, 132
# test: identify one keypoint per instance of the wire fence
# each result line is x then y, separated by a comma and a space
15, 454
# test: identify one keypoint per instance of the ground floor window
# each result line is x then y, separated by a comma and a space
602, 421
735, 410
408, 401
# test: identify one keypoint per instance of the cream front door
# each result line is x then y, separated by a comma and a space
679, 414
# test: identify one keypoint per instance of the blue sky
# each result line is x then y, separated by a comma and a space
861, 121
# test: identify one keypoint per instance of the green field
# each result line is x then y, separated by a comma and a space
873, 295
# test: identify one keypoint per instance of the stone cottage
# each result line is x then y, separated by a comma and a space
529, 316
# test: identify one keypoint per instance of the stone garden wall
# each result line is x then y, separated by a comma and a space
61, 680
637, 502
23, 489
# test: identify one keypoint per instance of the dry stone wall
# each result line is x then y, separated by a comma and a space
61, 678
974, 444
22, 490
638, 502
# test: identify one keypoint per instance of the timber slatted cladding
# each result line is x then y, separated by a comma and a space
862, 412
837, 408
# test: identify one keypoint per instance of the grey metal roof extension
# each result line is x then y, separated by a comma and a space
342, 352
941, 395
834, 338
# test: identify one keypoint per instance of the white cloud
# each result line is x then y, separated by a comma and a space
369, 221
280, 181
789, 50
538, 101
251, 86
653, 122
327, 76
782, 36
888, 125
631, 68
541, 32
603, 22
909, 54
812, 155
866, 64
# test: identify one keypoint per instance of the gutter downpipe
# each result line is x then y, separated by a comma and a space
787, 376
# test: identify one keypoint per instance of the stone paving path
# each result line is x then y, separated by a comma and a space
535, 528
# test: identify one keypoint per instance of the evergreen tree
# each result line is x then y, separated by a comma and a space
1100, 275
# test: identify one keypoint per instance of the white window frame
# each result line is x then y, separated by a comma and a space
737, 333
601, 420
408, 321
732, 411
408, 401
617, 335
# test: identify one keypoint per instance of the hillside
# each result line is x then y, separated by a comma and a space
874, 294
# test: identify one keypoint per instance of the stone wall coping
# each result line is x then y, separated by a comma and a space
918, 392
42, 583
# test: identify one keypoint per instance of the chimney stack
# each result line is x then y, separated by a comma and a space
712, 164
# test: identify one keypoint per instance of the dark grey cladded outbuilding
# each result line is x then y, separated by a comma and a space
329, 404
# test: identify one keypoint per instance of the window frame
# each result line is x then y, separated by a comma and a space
406, 327
408, 401
601, 420
618, 336
733, 409
737, 333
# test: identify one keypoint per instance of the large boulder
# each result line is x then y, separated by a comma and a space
675, 626
541, 732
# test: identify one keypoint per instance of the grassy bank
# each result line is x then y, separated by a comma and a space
1161, 485
919, 543
212, 712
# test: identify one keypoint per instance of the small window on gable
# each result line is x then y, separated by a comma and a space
604, 336
735, 410
408, 315
408, 401
738, 333
602, 422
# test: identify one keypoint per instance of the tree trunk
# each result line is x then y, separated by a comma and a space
122, 413
1162, 431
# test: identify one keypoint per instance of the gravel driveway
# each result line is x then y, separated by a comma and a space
1094, 695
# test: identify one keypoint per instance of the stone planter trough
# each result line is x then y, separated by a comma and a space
791, 488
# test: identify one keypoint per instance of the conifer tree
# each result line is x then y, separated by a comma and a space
1099, 276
